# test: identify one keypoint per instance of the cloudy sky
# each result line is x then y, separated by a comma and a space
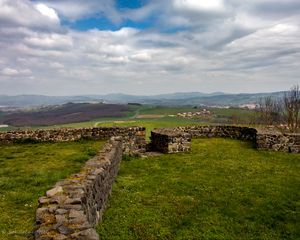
69, 47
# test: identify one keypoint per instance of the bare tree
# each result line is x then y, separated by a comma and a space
270, 110
291, 102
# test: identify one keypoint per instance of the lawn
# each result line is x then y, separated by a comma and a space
27, 171
223, 189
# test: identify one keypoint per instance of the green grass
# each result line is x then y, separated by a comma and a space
166, 110
233, 115
223, 189
27, 171
150, 124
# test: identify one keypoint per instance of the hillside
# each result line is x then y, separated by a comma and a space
172, 99
67, 113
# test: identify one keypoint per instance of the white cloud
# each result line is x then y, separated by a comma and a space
9, 72
49, 41
46, 11
224, 46
142, 56
22, 13
199, 5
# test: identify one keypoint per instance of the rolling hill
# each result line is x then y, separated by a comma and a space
173, 99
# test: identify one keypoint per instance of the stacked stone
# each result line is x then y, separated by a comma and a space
236, 132
278, 141
133, 137
170, 141
74, 206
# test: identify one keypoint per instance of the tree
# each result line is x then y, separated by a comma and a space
291, 102
270, 110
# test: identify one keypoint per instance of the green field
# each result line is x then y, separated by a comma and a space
166, 110
138, 116
223, 189
152, 123
27, 171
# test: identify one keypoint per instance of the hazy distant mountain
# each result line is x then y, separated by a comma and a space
173, 99
41, 100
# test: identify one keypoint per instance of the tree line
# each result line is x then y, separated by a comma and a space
281, 111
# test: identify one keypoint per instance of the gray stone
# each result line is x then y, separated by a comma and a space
52, 192
60, 237
88, 234
65, 230
61, 211
40, 214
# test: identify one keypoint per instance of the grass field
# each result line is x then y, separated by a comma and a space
138, 115
166, 110
152, 123
26, 172
223, 189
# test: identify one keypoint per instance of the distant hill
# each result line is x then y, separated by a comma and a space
67, 113
41, 100
173, 99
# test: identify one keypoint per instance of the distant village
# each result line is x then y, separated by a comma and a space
204, 113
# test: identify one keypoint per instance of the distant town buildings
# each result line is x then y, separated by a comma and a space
204, 113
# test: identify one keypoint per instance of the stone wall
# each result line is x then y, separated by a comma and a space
133, 137
235, 132
73, 207
173, 140
277, 141
170, 141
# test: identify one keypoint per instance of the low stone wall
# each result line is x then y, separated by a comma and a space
169, 141
235, 132
74, 206
173, 140
277, 141
133, 137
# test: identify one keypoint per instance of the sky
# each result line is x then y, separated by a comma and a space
145, 47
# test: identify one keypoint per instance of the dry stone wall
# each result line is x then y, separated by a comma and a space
73, 207
235, 132
277, 141
133, 137
171, 140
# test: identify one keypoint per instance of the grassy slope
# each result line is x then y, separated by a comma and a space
223, 189
26, 172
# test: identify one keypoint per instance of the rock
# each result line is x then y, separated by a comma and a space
65, 230
52, 192
73, 201
60, 219
60, 237
61, 211
40, 214
43, 200
76, 214
88, 234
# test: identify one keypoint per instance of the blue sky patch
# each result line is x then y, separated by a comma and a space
132, 4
